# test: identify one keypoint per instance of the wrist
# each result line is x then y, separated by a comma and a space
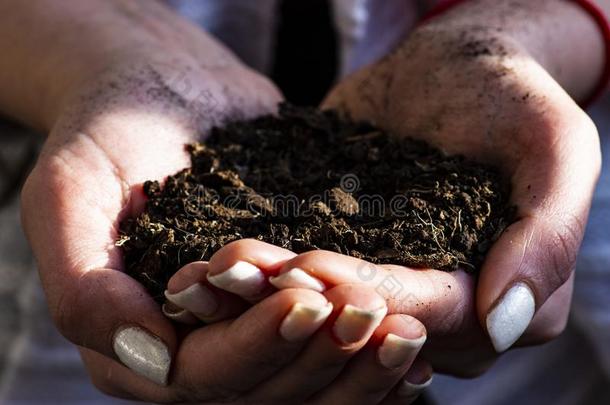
552, 32
73, 43
147, 76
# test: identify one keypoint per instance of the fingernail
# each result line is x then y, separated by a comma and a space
355, 324
511, 316
197, 299
243, 279
178, 314
413, 390
143, 353
303, 320
297, 278
396, 350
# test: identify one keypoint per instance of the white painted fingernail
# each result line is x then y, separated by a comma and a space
355, 324
178, 314
511, 316
395, 350
297, 278
303, 320
197, 299
143, 353
411, 391
243, 279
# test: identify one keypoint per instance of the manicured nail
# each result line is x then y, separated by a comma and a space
511, 316
355, 324
396, 351
243, 279
297, 278
410, 390
178, 314
143, 353
197, 299
303, 320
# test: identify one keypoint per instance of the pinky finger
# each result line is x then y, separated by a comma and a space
417, 379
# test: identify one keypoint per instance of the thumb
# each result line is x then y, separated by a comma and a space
536, 255
92, 302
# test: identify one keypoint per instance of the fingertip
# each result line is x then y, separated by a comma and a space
404, 326
418, 378
358, 295
188, 275
137, 200
178, 314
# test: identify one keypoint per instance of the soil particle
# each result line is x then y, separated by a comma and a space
309, 180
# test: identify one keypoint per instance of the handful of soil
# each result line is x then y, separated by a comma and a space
307, 180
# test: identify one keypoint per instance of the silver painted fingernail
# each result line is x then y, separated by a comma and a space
395, 350
178, 314
411, 391
511, 316
243, 279
355, 324
302, 321
297, 278
143, 353
197, 299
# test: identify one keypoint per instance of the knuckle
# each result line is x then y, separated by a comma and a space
565, 240
63, 314
312, 258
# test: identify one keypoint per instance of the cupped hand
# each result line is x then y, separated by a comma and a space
129, 125
479, 93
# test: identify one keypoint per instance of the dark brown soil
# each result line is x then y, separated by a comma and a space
311, 180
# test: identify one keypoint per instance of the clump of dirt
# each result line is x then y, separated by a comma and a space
307, 180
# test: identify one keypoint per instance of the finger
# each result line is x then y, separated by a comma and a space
418, 378
374, 371
109, 312
536, 255
224, 360
242, 267
194, 299
358, 312
442, 301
